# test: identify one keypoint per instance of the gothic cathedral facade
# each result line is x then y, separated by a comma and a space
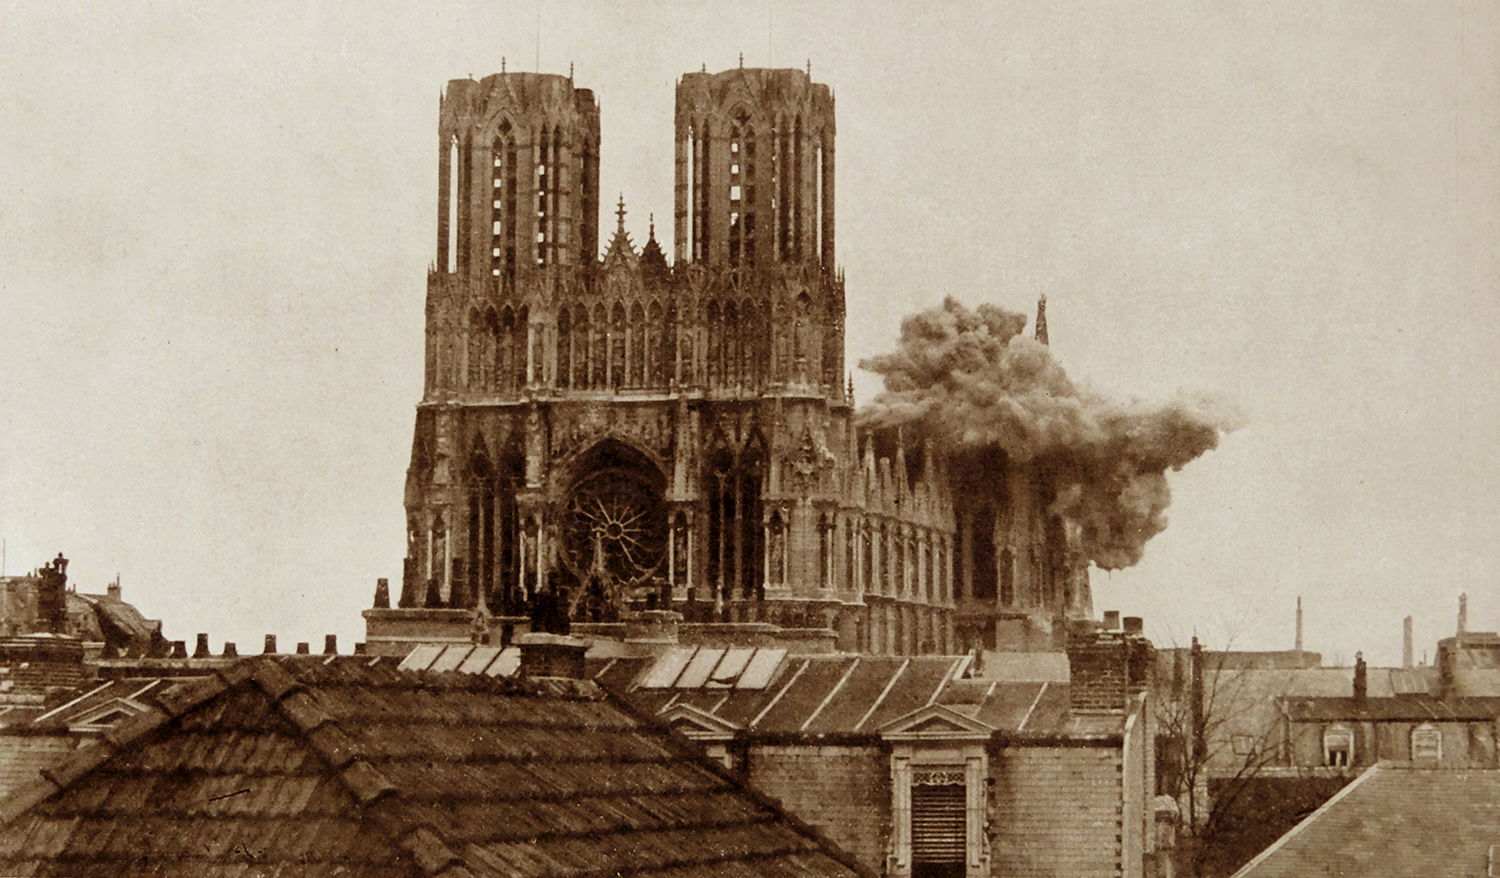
599, 436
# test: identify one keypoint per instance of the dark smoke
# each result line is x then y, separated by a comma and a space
971, 382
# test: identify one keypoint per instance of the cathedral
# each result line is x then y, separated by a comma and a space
604, 436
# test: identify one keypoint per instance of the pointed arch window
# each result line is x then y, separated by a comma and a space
730, 341
655, 354
521, 365
741, 190
503, 201
505, 359
617, 346
598, 349
636, 347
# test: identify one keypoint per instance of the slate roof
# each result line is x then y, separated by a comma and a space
280, 767
1393, 820
1415, 708
765, 691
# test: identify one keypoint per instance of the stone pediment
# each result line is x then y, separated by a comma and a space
696, 723
935, 721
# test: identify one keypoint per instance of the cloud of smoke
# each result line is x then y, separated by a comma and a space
971, 382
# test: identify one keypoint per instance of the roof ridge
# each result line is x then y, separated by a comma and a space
295, 701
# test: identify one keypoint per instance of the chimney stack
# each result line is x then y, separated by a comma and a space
330, 644
1463, 613
1299, 625
113, 589
1111, 620
230, 650
270, 645
1361, 679
200, 649
302, 648
1134, 625
1406, 644
179, 649
382, 594
551, 655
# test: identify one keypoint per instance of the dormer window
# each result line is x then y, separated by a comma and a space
1338, 746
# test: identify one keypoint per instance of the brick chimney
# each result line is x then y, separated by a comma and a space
1463, 613
1106, 667
382, 594
1361, 679
200, 649
302, 648
551, 655
330, 644
1406, 642
52, 597
230, 650
270, 648
113, 589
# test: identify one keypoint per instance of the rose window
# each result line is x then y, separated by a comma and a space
614, 528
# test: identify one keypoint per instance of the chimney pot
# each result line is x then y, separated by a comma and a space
1134, 625
230, 651
302, 648
270, 644
1111, 620
330, 644
200, 649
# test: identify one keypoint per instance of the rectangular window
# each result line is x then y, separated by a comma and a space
938, 824
1338, 747
1426, 744
1244, 745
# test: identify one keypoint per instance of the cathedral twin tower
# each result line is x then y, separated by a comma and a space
602, 436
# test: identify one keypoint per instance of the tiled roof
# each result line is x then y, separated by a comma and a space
347, 766
1397, 821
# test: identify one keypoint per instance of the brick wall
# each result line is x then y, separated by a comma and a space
22, 756
843, 790
1055, 812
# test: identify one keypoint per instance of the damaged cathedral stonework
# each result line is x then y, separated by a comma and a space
603, 436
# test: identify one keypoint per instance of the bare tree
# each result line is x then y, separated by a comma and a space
1218, 731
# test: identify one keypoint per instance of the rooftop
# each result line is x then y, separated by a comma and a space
345, 765
1393, 820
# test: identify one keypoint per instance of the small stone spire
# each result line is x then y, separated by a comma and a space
620, 215
502, 63
570, 71
651, 227
742, 60
1041, 319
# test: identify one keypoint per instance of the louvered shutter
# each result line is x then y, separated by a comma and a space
937, 823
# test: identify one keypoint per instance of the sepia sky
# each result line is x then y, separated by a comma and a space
215, 221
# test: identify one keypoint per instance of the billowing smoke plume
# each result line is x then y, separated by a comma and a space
972, 382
